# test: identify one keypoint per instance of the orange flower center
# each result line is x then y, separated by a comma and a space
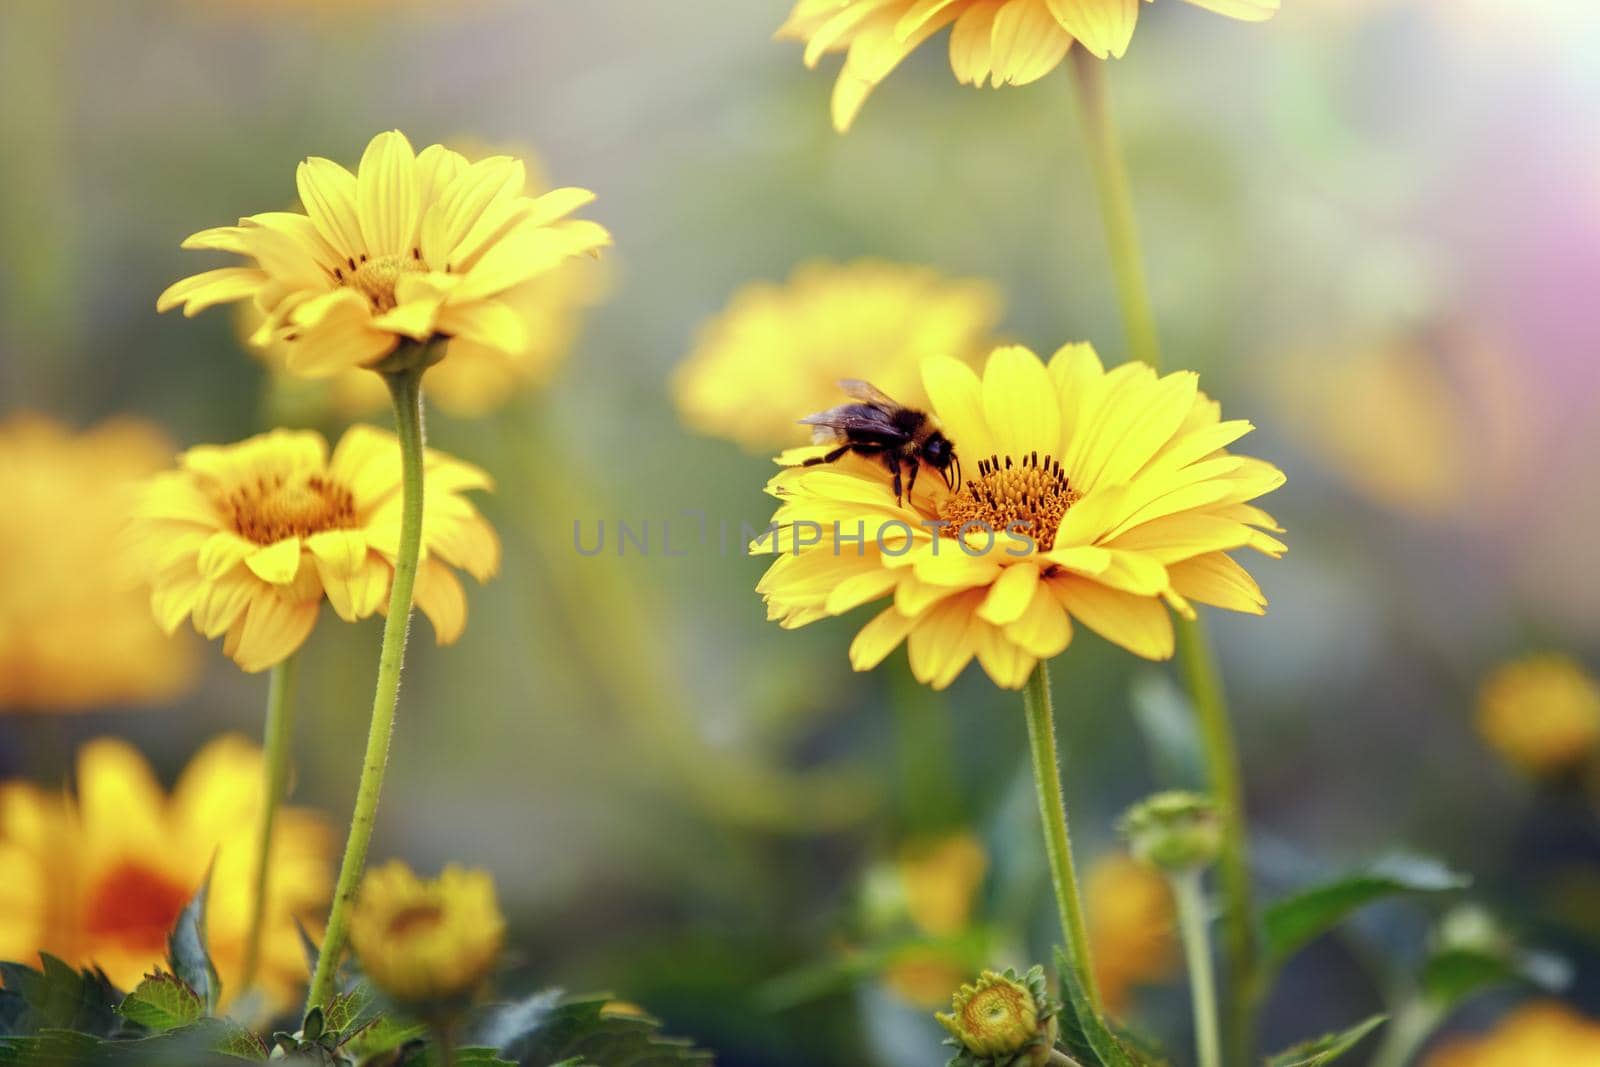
376, 279
277, 506
415, 919
1030, 495
135, 907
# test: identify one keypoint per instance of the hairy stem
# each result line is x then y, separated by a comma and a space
405, 387
278, 739
1040, 712
1195, 926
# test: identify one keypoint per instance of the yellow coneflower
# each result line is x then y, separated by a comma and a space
247, 539
866, 319
417, 247
99, 878
1542, 1034
1003, 42
1541, 713
1132, 927
935, 883
1102, 496
74, 634
427, 943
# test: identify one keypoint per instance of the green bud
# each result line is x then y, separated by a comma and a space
1002, 1020
1174, 831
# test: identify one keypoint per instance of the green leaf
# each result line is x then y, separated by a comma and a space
56, 997
382, 1040
1324, 1050
161, 1002
1452, 975
186, 945
586, 1030
1085, 1034
54, 1048
351, 1010
1295, 922
479, 1057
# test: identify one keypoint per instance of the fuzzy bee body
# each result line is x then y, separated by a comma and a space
875, 425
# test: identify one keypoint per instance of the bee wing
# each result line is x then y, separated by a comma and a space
868, 393
837, 423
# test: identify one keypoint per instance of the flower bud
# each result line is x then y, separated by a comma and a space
1174, 831
1002, 1020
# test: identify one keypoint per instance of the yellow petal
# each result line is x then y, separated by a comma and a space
1028, 42
1010, 595
1044, 630
333, 333
223, 551
221, 286
1217, 580
273, 628
1248, 10
944, 640
1104, 27
972, 44
328, 193
278, 563
956, 395
1019, 403
440, 597
1139, 624
386, 195
1006, 664
879, 637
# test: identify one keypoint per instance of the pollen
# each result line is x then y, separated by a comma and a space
274, 507
376, 279
1029, 494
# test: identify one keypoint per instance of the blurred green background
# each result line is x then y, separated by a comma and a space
679, 801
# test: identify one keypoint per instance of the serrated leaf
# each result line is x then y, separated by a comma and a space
188, 952
161, 1002
1292, 923
56, 997
586, 1030
1324, 1050
54, 1048
479, 1057
1086, 1035
381, 1038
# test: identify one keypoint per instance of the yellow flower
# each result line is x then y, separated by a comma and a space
1006, 42
1087, 494
866, 319
1542, 713
937, 882
74, 634
248, 538
1544, 1034
474, 378
413, 247
100, 878
427, 942
1131, 922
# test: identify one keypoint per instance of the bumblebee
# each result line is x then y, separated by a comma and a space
904, 438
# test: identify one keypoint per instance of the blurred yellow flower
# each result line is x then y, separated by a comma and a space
417, 247
248, 538
427, 942
1541, 713
1132, 922
1006, 42
100, 878
474, 378
1105, 496
938, 881
1543, 1034
74, 633
795, 340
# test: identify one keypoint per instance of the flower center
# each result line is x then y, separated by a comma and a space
274, 507
375, 279
135, 907
1030, 495
415, 919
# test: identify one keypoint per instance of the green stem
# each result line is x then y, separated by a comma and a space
1116, 207
279, 736
1413, 1021
1233, 865
1053, 813
405, 387
1195, 926
1199, 666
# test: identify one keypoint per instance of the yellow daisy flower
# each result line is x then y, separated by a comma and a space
829, 321
248, 538
1541, 713
99, 878
474, 378
1087, 494
412, 247
1132, 927
1004, 42
934, 884
74, 634
1543, 1034
427, 942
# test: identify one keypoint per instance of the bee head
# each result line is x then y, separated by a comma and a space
939, 453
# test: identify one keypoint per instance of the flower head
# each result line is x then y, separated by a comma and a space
99, 878
1101, 496
427, 943
929, 892
1131, 918
1003, 42
1003, 1018
419, 247
1174, 831
866, 319
73, 633
248, 539
1542, 1034
1541, 713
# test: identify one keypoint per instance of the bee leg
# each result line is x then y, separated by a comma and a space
893, 463
830, 457
911, 482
